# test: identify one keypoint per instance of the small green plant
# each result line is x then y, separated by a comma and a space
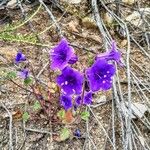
11, 75
27, 81
64, 134
25, 116
36, 105
85, 115
61, 114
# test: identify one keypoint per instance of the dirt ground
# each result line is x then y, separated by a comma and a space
107, 121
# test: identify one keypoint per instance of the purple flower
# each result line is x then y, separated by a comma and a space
24, 73
100, 75
87, 100
112, 54
66, 101
20, 57
70, 81
78, 100
61, 55
77, 133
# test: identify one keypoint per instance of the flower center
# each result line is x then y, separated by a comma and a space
66, 102
62, 56
98, 75
71, 80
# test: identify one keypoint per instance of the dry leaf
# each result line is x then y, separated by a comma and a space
73, 26
17, 115
68, 117
93, 37
36, 90
52, 87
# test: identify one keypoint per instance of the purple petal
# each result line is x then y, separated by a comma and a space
66, 102
73, 59
106, 84
113, 54
87, 98
94, 85
67, 89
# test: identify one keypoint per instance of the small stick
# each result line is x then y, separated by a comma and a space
20, 86
38, 131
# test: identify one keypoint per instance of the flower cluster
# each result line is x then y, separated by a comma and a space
73, 83
77, 88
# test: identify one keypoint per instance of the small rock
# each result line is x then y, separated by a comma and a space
12, 4
138, 110
142, 140
124, 43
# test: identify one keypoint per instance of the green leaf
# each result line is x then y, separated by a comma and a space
85, 115
61, 114
64, 134
26, 116
27, 81
90, 61
11, 75
36, 105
